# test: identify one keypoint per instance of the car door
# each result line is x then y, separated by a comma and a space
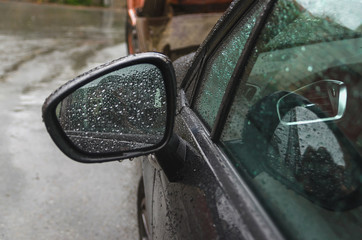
292, 129
208, 200
245, 177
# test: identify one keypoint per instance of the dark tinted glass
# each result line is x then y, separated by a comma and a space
295, 126
221, 65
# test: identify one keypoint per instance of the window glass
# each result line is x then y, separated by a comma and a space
220, 67
294, 128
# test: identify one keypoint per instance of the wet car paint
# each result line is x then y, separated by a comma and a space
209, 200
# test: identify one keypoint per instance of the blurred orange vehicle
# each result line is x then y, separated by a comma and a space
173, 27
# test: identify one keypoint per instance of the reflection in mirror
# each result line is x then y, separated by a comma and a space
312, 160
328, 98
120, 111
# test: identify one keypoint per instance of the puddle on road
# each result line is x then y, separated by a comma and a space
34, 21
30, 30
42, 47
33, 53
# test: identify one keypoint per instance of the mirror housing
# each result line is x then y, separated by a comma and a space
129, 71
327, 98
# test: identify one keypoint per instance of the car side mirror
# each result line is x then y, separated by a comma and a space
119, 110
327, 98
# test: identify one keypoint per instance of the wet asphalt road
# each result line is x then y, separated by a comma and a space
43, 194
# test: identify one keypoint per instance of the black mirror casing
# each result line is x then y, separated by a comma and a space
64, 143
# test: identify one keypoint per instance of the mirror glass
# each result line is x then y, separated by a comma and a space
326, 98
119, 111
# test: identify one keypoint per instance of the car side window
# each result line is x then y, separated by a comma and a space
294, 128
221, 65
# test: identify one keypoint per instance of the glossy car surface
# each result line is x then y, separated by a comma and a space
266, 142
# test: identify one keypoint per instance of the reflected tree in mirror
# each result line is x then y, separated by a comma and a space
120, 111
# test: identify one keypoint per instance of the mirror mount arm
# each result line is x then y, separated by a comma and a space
172, 157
